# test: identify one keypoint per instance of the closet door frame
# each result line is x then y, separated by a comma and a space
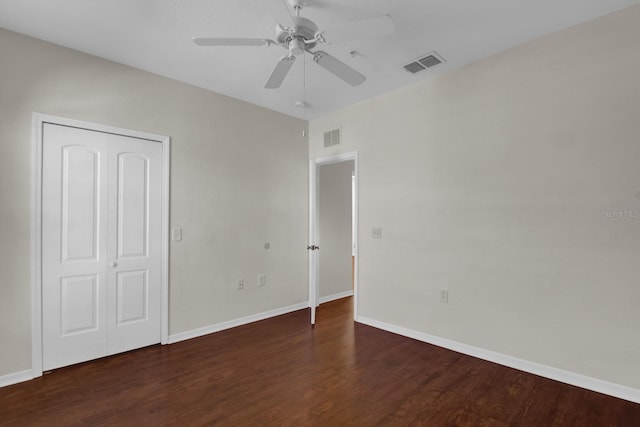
38, 122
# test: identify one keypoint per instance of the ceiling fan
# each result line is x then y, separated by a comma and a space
303, 36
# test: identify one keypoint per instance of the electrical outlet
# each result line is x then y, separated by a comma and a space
240, 284
444, 295
176, 234
262, 280
376, 233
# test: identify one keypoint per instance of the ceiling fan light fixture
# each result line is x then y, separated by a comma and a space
296, 47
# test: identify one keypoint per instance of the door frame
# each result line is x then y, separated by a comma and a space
38, 122
314, 169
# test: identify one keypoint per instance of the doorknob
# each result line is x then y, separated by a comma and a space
313, 247
113, 264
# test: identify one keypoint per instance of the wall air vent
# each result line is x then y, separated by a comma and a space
427, 61
332, 137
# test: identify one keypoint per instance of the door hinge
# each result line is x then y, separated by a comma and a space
313, 248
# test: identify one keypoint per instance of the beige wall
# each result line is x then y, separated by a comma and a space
492, 182
238, 180
334, 226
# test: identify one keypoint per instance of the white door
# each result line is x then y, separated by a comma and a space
335, 230
314, 229
101, 244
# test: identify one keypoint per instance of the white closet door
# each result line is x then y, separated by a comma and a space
134, 246
101, 260
74, 245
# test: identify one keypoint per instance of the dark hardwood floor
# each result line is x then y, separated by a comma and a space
281, 372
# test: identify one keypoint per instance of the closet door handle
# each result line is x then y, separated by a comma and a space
113, 264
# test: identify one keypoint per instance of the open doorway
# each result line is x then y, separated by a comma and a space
333, 230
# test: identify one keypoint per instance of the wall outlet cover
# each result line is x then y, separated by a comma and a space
444, 295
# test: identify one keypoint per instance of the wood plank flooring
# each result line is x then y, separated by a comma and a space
280, 372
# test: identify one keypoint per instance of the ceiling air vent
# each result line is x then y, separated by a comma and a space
423, 63
332, 137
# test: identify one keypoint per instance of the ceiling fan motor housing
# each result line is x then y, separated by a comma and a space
303, 30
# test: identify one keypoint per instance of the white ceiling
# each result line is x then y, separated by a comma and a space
155, 35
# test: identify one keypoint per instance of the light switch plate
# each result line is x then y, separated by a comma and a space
176, 234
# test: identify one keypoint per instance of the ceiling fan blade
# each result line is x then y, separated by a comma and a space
359, 30
227, 41
280, 72
338, 68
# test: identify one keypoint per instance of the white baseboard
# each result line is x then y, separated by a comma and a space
334, 297
567, 377
195, 333
16, 377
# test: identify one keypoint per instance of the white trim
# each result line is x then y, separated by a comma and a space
567, 377
15, 378
195, 333
313, 232
36, 246
334, 297
314, 164
166, 189
38, 121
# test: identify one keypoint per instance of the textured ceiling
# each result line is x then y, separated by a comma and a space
155, 35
